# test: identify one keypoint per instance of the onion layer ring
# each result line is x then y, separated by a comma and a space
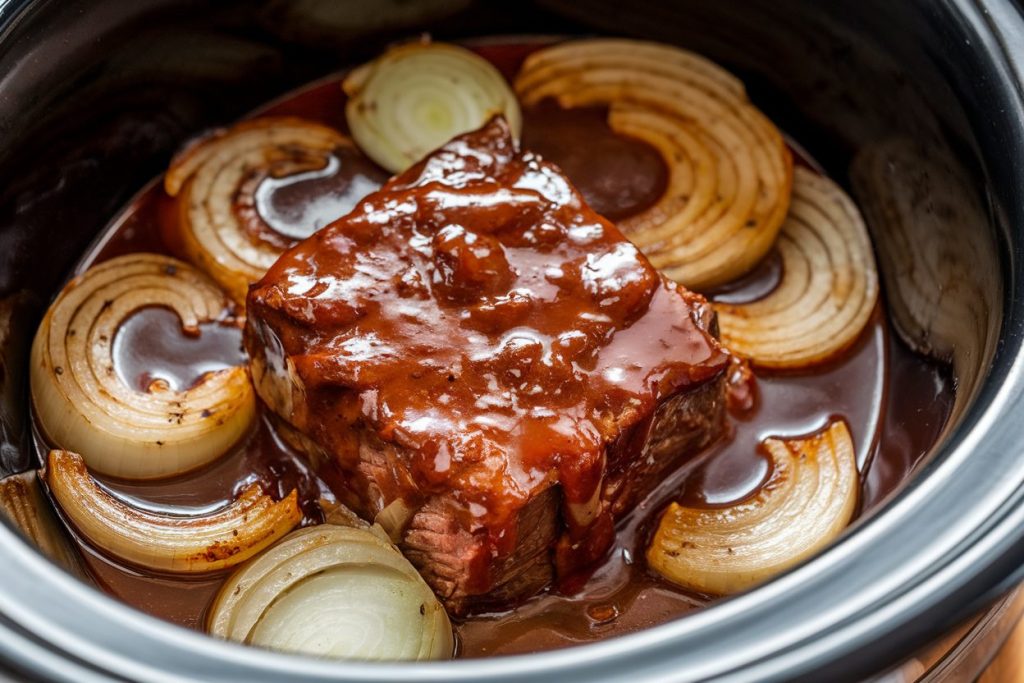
418, 96
808, 500
83, 405
334, 591
730, 170
207, 178
191, 545
829, 284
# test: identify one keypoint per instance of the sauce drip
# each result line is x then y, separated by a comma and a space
895, 418
618, 176
150, 346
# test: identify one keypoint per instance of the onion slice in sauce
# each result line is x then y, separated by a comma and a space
206, 543
418, 96
807, 501
730, 171
829, 284
81, 402
215, 176
336, 591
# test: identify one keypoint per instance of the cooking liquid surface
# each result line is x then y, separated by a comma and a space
148, 351
295, 206
894, 402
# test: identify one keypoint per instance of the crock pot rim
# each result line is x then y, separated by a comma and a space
51, 624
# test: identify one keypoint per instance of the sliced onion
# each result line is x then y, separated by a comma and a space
82, 403
729, 169
807, 501
829, 284
23, 503
416, 97
919, 202
209, 177
693, 171
167, 543
334, 591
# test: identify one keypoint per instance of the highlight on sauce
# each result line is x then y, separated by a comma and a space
472, 351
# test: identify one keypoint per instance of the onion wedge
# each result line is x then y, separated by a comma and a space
212, 178
25, 505
418, 96
333, 591
730, 171
82, 403
829, 284
189, 545
808, 500
919, 201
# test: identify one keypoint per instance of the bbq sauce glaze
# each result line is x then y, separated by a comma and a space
543, 340
895, 403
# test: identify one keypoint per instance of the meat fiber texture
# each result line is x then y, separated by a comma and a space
485, 366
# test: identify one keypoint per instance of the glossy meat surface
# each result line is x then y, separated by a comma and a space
472, 339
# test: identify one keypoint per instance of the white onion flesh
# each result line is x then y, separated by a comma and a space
177, 544
829, 285
730, 171
806, 503
416, 97
334, 591
207, 177
82, 403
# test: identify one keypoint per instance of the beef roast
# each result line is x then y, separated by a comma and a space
487, 367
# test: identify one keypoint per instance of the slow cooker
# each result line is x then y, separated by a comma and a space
96, 95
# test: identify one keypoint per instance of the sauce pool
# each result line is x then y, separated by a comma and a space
147, 350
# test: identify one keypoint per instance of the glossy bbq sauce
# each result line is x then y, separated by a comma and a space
894, 402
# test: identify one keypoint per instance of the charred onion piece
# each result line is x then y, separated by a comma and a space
829, 284
729, 170
82, 403
807, 501
418, 96
209, 177
334, 591
192, 545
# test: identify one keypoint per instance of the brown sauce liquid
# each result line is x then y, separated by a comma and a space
617, 176
894, 402
299, 205
150, 347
